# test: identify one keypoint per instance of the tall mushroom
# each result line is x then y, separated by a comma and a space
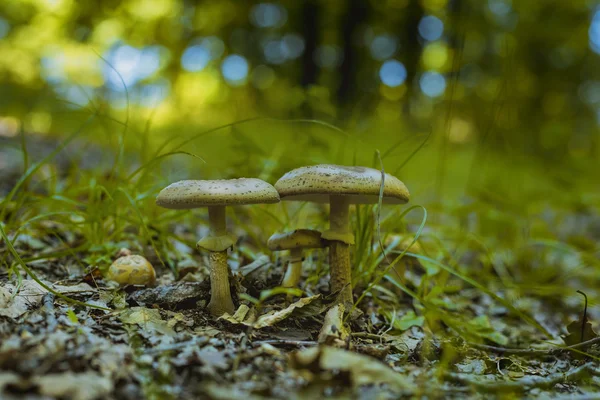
295, 241
340, 186
217, 195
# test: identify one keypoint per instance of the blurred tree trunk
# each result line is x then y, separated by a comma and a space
309, 20
309, 26
412, 49
552, 145
356, 13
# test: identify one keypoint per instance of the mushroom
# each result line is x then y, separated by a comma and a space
131, 270
340, 186
400, 243
295, 242
216, 195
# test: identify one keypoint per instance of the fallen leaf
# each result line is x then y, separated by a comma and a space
147, 319
225, 392
306, 306
575, 335
83, 386
242, 316
474, 366
407, 321
256, 267
298, 308
363, 370
482, 327
29, 296
408, 341
76, 386
180, 295
8, 378
29, 241
333, 332
72, 316
209, 357
79, 288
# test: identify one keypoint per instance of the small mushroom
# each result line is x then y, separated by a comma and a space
295, 241
216, 195
400, 243
340, 186
132, 270
403, 242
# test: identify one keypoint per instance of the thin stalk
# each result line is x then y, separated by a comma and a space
339, 252
294, 269
220, 293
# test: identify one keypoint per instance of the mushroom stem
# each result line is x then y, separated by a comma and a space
339, 214
216, 219
220, 293
339, 252
294, 269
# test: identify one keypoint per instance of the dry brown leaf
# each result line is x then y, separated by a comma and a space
245, 315
364, 370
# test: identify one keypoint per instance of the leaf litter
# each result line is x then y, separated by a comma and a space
429, 334
181, 351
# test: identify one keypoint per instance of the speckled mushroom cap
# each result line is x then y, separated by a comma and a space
298, 239
222, 192
131, 270
360, 184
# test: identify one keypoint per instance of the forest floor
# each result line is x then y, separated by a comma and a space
464, 337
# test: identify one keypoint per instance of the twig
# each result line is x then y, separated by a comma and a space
176, 346
243, 347
584, 318
48, 301
284, 342
368, 335
585, 396
585, 344
526, 383
505, 350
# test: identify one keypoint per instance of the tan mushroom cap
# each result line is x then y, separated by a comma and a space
402, 242
221, 192
131, 270
298, 239
359, 184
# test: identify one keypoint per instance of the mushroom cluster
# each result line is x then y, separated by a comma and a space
340, 186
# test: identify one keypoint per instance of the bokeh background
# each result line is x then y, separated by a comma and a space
477, 88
